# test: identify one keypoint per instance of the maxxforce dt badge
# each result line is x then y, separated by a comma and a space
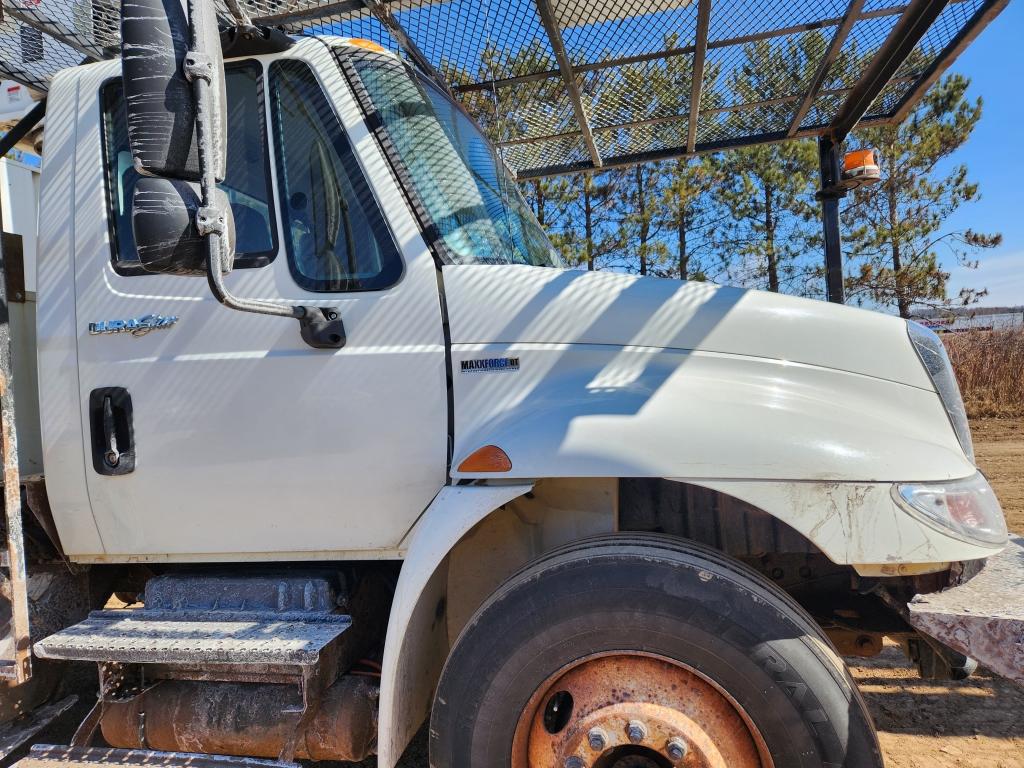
135, 326
490, 364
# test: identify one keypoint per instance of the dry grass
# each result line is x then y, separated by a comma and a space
990, 369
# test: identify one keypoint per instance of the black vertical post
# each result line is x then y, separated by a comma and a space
828, 157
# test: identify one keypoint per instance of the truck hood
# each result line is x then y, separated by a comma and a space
514, 304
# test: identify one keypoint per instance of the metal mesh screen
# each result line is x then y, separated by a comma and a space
567, 85
954, 18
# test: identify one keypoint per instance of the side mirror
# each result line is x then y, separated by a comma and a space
173, 73
156, 38
163, 222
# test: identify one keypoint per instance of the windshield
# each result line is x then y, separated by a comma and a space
474, 210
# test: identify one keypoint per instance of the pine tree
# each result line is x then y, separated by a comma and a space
691, 215
553, 201
590, 235
770, 197
638, 200
657, 89
770, 193
895, 230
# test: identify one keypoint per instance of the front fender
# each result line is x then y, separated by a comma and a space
855, 524
417, 643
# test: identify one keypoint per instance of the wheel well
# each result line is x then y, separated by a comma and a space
706, 516
560, 511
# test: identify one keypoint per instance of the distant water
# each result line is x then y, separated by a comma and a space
976, 322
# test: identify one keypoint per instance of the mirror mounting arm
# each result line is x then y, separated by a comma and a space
320, 327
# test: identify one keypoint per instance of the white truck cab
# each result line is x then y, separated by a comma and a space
350, 179
582, 475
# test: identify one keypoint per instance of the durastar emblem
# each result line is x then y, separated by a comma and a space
490, 364
135, 326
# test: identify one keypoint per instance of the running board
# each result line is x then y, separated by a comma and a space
52, 756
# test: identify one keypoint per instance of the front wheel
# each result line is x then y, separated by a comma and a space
640, 651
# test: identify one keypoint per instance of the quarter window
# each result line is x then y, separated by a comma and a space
247, 182
335, 234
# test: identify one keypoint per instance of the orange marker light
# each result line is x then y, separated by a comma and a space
860, 167
369, 45
858, 158
490, 458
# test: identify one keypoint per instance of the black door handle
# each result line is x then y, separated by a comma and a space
113, 434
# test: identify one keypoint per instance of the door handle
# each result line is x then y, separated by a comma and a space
113, 433
113, 456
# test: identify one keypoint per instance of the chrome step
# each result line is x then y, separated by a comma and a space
52, 756
141, 636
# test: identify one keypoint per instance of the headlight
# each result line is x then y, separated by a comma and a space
933, 354
966, 509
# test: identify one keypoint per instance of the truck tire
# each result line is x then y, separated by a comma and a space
645, 651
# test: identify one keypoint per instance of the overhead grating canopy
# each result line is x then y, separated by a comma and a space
570, 85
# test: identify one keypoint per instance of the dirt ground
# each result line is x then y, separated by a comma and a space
977, 723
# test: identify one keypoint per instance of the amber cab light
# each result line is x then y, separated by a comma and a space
490, 458
368, 45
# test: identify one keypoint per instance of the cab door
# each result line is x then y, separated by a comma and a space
212, 433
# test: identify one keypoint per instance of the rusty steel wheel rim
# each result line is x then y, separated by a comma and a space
629, 709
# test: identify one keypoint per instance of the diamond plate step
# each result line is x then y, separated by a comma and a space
984, 617
50, 756
180, 637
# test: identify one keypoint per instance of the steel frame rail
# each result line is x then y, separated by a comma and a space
835, 47
954, 48
382, 12
901, 42
697, 71
547, 19
915, 18
9, 71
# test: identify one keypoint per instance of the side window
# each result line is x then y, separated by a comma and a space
335, 234
247, 183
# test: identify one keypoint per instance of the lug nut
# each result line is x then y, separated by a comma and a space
597, 739
574, 761
636, 731
676, 749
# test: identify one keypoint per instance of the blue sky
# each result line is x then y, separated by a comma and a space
993, 155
